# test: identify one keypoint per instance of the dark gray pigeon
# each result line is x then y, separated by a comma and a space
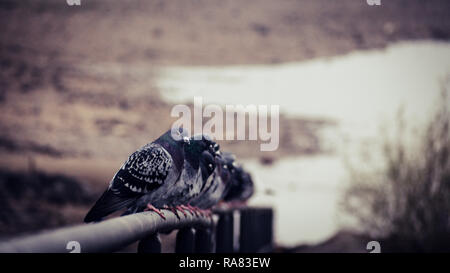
206, 179
190, 183
248, 187
145, 178
241, 186
218, 186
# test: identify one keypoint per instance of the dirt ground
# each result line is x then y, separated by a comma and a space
76, 88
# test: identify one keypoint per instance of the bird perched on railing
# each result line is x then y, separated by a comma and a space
241, 187
207, 167
146, 176
190, 183
174, 172
216, 186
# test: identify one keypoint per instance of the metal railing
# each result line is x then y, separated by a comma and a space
197, 234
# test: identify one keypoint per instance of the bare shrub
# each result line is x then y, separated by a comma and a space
406, 203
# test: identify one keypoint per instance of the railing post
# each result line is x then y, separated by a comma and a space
203, 240
150, 244
185, 241
224, 232
246, 238
267, 234
256, 231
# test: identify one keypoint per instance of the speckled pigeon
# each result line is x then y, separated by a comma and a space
190, 183
218, 186
206, 179
145, 178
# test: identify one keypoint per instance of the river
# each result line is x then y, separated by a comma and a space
361, 91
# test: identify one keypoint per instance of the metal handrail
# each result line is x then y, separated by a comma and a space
107, 236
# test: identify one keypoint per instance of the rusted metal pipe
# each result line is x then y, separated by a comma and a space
106, 236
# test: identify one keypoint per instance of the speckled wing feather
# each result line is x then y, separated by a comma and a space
143, 172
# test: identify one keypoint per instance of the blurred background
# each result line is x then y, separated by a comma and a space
364, 125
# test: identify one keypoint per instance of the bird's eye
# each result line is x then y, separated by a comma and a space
210, 166
216, 147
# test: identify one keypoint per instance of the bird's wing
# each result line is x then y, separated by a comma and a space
107, 204
144, 171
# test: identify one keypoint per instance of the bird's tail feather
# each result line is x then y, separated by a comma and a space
107, 204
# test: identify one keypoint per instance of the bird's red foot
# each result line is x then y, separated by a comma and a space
189, 208
204, 212
196, 210
207, 212
152, 208
175, 210
199, 211
172, 209
180, 208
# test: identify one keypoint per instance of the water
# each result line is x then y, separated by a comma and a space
304, 195
361, 91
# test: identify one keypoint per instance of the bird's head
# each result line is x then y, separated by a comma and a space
223, 169
230, 161
208, 164
179, 135
204, 142
247, 185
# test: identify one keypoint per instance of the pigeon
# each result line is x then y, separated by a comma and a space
241, 187
206, 179
246, 189
248, 186
217, 187
145, 177
190, 183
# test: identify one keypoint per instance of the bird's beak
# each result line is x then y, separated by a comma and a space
186, 140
